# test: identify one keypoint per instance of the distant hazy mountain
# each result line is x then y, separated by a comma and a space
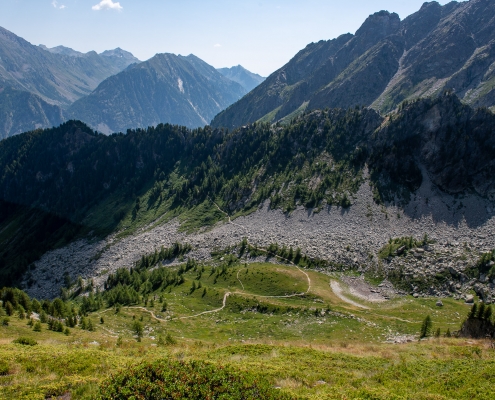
167, 88
119, 58
386, 62
22, 111
59, 76
248, 80
66, 51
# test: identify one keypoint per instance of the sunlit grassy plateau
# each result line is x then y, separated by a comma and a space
310, 344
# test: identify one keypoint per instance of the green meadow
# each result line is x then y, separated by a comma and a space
276, 321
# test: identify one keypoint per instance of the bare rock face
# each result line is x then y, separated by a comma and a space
379, 25
386, 62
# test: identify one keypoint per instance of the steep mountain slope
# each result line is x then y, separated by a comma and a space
385, 62
166, 88
248, 80
123, 182
26, 234
57, 78
23, 111
453, 142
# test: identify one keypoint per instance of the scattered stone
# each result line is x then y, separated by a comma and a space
439, 303
469, 299
324, 234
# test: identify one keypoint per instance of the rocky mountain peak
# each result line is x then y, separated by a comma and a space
380, 25
437, 48
166, 88
429, 5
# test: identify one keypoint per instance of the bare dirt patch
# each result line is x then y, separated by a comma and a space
358, 287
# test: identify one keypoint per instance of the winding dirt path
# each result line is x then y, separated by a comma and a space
265, 251
211, 311
239, 279
224, 303
148, 311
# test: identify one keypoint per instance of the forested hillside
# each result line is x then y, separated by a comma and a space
113, 182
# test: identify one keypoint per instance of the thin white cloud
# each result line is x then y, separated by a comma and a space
107, 5
55, 5
217, 45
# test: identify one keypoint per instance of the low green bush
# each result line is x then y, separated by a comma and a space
187, 380
26, 341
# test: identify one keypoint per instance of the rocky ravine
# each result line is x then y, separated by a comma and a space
462, 227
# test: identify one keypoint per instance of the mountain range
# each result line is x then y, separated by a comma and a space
111, 91
167, 88
385, 62
118, 57
59, 78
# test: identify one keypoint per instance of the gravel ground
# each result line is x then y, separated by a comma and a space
462, 227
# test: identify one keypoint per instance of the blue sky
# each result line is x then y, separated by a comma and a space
261, 35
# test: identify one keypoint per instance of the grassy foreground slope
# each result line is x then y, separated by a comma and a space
280, 321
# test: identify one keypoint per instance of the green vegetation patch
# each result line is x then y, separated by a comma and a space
188, 380
401, 246
484, 266
25, 341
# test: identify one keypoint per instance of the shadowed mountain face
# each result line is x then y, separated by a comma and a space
167, 88
69, 168
386, 62
23, 111
60, 76
242, 76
